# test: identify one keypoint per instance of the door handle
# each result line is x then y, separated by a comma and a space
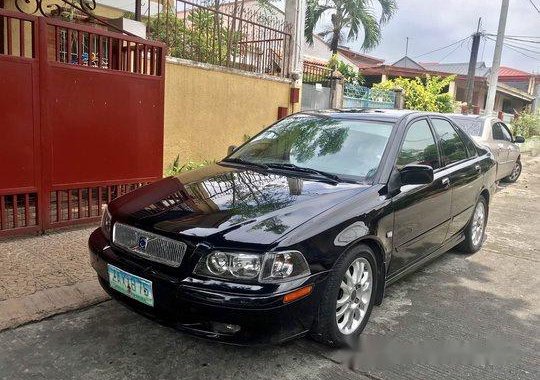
446, 182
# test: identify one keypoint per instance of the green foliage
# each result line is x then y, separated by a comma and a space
427, 94
348, 72
129, 15
526, 125
176, 168
201, 37
353, 16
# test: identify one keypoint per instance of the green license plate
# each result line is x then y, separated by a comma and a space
132, 286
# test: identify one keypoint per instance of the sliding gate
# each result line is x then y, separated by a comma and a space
81, 120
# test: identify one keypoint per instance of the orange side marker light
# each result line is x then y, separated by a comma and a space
297, 294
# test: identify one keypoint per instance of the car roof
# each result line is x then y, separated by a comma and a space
390, 115
467, 116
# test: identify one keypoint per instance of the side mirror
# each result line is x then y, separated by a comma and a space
231, 149
416, 175
519, 139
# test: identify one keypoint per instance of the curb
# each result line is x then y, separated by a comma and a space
46, 303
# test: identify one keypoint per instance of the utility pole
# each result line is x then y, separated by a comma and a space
494, 76
472, 67
407, 47
138, 10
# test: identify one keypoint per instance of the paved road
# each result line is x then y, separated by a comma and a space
492, 296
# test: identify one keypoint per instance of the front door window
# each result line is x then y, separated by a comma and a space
419, 147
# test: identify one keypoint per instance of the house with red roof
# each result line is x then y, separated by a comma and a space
516, 90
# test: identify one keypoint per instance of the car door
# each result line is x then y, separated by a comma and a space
499, 148
421, 212
512, 148
461, 166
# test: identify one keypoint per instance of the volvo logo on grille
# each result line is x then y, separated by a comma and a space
143, 243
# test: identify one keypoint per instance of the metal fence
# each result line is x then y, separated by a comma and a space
87, 46
357, 96
225, 34
313, 74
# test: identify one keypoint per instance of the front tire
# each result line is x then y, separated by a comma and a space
516, 172
348, 299
476, 229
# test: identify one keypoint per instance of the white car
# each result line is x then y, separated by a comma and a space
493, 133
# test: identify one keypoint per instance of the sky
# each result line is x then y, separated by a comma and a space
431, 24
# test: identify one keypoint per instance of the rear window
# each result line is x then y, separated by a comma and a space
472, 127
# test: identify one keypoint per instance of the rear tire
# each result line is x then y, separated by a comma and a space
516, 172
476, 229
348, 299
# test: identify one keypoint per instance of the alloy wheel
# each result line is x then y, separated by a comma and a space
515, 172
478, 223
354, 296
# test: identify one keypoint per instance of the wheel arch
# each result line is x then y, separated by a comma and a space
380, 260
485, 193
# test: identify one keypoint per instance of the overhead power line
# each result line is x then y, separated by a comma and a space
515, 45
524, 48
524, 41
534, 5
529, 40
451, 52
513, 36
520, 52
517, 50
443, 48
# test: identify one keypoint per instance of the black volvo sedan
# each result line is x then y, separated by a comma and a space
299, 230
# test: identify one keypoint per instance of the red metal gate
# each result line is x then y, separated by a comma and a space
81, 120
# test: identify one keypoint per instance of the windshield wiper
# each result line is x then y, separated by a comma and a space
293, 167
244, 162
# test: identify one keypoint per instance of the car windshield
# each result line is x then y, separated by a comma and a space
342, 147
472, 127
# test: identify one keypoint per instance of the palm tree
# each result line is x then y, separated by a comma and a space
354, 15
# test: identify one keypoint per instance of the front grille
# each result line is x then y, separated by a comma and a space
148, 245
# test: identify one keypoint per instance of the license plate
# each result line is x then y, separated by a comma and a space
136, 287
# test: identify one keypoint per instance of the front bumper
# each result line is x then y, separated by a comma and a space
204, 308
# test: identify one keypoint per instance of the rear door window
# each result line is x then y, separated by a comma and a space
452, 146
473, 127
471, 146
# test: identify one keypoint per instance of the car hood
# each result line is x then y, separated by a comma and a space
229, 204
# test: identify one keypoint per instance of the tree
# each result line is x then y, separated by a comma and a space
352, 15
202, 36
349, 73
427, 94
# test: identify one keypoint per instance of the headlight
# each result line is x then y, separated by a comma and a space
270, 267
106, 222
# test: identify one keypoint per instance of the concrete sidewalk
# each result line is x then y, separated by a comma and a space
45, 275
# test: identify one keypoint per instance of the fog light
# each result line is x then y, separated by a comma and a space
225, 328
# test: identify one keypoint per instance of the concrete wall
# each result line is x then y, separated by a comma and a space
208, 108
